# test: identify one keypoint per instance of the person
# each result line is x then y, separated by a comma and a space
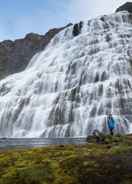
111, 123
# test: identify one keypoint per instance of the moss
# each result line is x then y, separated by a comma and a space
107, 162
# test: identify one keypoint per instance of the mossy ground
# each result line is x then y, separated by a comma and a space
109, 162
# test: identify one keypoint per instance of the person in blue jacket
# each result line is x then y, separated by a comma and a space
111, 123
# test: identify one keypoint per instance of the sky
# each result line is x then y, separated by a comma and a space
19, 17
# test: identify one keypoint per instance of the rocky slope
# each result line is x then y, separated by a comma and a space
15, 55
125, 7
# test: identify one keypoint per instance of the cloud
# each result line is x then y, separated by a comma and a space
86, 9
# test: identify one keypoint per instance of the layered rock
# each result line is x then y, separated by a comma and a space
125, 7
15, 55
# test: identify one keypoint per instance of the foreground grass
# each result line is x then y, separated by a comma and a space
106, 163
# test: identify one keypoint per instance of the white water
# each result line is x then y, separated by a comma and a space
70, 87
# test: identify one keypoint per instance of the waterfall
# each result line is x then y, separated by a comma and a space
68, 89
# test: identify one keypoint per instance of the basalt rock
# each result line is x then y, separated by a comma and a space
125, 7
77, 29
15, 55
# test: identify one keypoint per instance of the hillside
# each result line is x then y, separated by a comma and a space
15, 55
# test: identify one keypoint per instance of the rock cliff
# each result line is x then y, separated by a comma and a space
125, 7
15, 55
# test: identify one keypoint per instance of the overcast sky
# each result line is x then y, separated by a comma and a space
19, 17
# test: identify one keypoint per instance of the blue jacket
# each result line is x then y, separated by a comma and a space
111, 123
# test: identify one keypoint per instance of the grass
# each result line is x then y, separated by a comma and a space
109, 162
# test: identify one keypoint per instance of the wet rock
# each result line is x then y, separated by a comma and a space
125, 7
77, 29
93, 111
100, 90
96, 78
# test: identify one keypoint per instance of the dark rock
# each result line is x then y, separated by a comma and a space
77, 29
93, 111
96, 78
104, 76
15, 55
100, 90
125, 7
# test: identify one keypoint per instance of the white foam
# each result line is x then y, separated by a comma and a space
70, 87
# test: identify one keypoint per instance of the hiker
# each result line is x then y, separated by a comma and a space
111, 123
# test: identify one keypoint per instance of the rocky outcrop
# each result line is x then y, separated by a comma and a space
125, 7
77, 29
15, 55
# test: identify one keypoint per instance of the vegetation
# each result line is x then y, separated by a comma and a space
108, 162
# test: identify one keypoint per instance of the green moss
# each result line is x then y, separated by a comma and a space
108, 162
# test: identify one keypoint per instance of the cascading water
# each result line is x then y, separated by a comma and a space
69, 88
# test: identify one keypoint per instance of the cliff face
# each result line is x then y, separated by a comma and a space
15, 55
125, 7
